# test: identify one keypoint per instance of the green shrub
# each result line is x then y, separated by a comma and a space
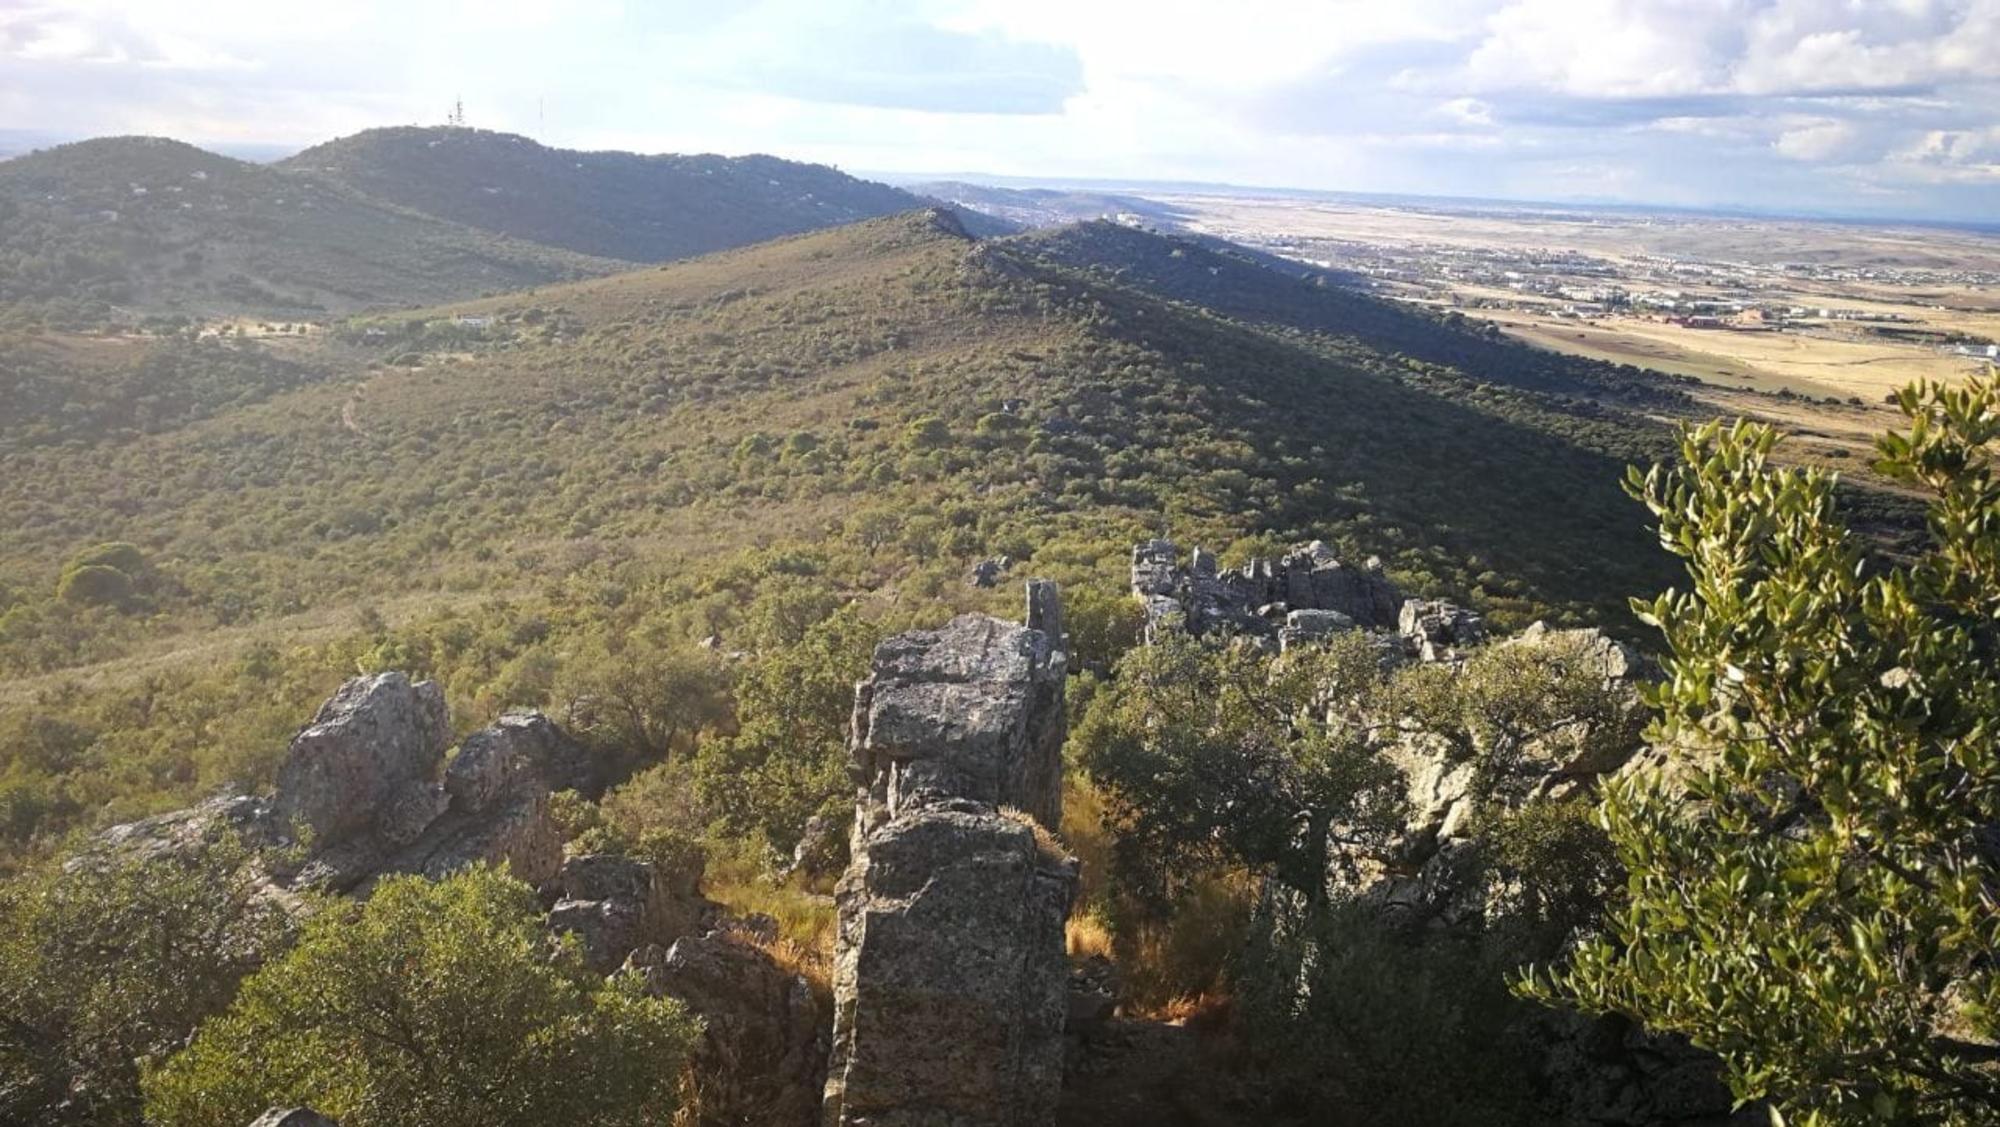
125, 557
95, 585
111, 960
1812, 897
432, 1005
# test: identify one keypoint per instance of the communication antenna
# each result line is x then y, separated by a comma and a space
457, 118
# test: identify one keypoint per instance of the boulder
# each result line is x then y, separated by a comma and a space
497, 760
359, 795
365, 758
174, 833
1307, 626
615, 905
987, 572
762, 1054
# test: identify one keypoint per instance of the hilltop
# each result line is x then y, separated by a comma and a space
150, 224
118, 229
611, 204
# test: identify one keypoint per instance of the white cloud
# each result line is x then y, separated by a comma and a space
1738, 101
1821, 140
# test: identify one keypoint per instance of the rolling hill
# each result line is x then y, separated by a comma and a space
610, 204
115, 230
152, 225
734, 445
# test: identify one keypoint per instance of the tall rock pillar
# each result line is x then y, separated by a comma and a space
950, 978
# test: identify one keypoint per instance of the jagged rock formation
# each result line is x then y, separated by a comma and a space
367, 763
972, 710
950, 978
1252, 600
1436, 630
364, 792
762, 1056
616, 905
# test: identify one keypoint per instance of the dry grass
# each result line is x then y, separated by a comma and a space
806, 919
1051, 847
1086, 935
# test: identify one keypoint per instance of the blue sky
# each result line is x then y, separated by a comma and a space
1860, 106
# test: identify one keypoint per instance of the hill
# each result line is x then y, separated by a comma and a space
611, 204
734, 445
1045, 207
148, 224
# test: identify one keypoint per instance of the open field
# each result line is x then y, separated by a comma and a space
1781, 319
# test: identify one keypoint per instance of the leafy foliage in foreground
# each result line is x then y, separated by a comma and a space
434, 1004
113, 960
1818, 899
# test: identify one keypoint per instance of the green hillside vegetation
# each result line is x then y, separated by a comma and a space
88, 389
92, 231
612, 204
864, 411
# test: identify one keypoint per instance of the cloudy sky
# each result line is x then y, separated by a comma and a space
1860, 106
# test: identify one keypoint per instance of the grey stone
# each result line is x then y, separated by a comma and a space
951, 988
615, 905
987, 572
1436, 630
971, 710
292, 1117
494, 761
1305, 626
375, 741
763, 1049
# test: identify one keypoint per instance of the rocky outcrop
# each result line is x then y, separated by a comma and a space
364, 792
1253, 600
971, 710
951, 984
762, 1055
616, 905
1435, 630
367, 764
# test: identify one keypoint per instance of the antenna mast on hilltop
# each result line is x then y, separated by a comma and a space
457, 118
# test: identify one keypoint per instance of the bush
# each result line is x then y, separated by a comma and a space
112, 960
1812, 898
432, 1005
125, 557
95, 585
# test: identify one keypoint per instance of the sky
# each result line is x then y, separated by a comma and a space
1829, 106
